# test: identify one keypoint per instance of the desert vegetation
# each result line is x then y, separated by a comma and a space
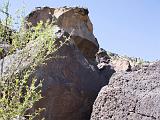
17, 95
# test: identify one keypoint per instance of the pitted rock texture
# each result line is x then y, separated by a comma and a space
74, 20
130, 96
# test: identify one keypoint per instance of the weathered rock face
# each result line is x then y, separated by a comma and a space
119, 63
70, 86
130, 96
75, 21
70, 82
108, 65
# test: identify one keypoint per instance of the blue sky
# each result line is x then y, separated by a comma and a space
126, 27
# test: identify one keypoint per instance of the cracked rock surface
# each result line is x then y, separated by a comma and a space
73, 20
130, 96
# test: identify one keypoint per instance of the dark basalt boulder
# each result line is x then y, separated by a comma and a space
70, 83
130, 96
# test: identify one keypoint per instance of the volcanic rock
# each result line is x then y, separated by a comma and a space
130, 96
70, 83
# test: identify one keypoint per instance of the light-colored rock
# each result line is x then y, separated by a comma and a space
75, 21
19, 118
118, 64
121, 65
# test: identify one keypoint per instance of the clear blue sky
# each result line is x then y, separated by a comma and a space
126, 27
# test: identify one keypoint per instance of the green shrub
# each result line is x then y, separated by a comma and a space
17, 95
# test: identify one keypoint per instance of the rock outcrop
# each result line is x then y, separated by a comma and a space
119, 63
75, 21
130, 96
70, 83
72, 78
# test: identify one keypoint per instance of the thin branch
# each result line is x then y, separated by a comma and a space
4, 12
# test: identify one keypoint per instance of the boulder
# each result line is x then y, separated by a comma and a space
121, 65
130, 96
70, 83
106, 70
102, 56
75, 21
117, 62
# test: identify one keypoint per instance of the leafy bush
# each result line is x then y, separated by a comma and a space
17, 95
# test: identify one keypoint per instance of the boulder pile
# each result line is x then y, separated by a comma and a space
70, 81
75, 72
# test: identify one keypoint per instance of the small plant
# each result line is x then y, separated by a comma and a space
18, 92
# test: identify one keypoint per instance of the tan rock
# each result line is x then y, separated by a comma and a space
75, 21
121, 65
118, 63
